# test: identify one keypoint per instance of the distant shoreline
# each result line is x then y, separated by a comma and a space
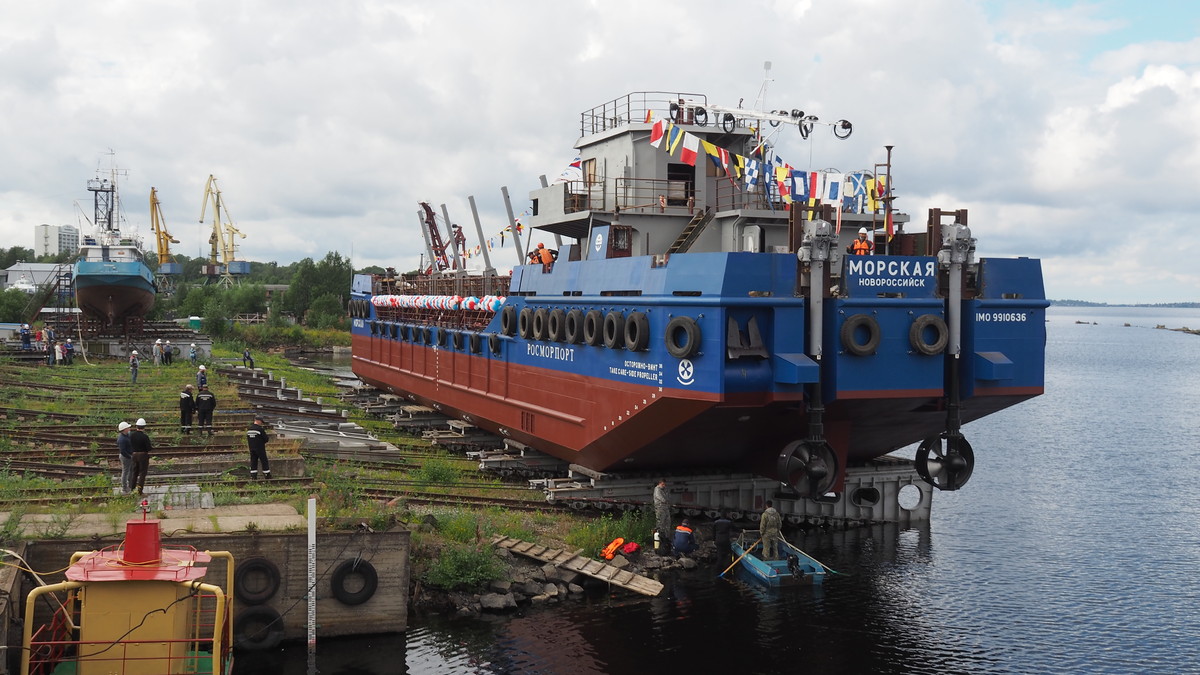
1159, 305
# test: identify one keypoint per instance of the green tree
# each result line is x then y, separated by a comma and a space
12, 305
14, 255
326, 312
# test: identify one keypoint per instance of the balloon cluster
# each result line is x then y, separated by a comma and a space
491, 303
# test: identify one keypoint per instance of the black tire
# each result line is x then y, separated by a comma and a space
851, 330
394, 329
494, 344
593, 327
556, 325
348, 568
427, 335
917, 334
525, 323
637, 332
374, 328
404, 332
701, 117
728, 123
258, 628
458, 340
541, 320
247, 571
682, 337
476, 343
508, 321
573, 326
614, 330
441, 337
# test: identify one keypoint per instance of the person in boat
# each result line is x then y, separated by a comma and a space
662, 514
547, 256
206, 403
141, 447
256, 438
862, 245
685, 538
133, 366
768, 526
125, 453
187, 407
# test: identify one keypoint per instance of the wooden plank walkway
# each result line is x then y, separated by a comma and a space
577, 563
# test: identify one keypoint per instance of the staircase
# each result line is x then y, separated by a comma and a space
692, 231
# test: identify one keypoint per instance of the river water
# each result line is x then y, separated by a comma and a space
1075, 548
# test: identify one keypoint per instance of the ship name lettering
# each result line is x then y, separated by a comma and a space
550, 352
892, 268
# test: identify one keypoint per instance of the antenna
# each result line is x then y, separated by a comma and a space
762, 91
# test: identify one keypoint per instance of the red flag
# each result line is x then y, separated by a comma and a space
657, 132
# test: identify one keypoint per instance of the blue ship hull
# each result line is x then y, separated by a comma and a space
113, 291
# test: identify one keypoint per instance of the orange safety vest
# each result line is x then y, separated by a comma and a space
862, 247
547, 256
611, 550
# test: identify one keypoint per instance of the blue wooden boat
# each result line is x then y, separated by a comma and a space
795, 569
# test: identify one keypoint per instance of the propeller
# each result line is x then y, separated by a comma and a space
809, 466
945, 466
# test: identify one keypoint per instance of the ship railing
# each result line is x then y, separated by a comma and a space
641, 107
443, 284
463, 319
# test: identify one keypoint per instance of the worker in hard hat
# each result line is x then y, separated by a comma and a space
546, 256
861, 245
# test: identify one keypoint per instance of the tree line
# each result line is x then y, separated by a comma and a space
316, 296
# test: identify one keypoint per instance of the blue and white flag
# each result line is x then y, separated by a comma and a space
753, 167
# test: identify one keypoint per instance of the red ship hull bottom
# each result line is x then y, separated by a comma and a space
612, 426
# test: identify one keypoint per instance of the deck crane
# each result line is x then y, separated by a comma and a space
168, 270
222, 237
442, 259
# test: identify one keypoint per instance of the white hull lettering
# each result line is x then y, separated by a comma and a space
554, 352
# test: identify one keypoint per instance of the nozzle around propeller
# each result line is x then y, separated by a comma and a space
945, 461
811, 467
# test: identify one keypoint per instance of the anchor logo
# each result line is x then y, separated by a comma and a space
687, 373
599, 242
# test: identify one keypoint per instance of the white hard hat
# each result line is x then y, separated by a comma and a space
863, 230
68, 339
134, 352
193, 344
122, 426
168, 342
203, 368
141, 422
158, 341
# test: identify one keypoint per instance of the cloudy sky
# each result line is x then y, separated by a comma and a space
1069, 129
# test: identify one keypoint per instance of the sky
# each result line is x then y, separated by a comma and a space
1070, 130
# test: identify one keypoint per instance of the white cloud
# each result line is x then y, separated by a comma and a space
326, 123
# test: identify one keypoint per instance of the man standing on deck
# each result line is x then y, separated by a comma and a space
187, 406
256, 438
206, 403
125, 452
768, 526
662, 515
861, 245
141, 447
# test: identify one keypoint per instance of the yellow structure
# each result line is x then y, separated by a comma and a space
136, 609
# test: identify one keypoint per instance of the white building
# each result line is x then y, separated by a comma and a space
55, 239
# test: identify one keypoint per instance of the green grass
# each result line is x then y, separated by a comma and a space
592, 536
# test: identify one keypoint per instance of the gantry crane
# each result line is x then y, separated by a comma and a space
223, 236
167, 268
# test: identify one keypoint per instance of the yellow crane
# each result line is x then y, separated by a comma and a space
167, 268
222, 237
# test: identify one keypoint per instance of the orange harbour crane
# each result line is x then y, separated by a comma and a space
168, 269
222, 237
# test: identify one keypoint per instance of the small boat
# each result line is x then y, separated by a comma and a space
138, 607
795, 569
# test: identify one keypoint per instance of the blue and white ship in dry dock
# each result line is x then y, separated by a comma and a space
113, 284
703, 313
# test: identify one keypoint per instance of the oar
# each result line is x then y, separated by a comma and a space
743, 555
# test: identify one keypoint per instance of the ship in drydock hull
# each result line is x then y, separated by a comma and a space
697, 321
113, 284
